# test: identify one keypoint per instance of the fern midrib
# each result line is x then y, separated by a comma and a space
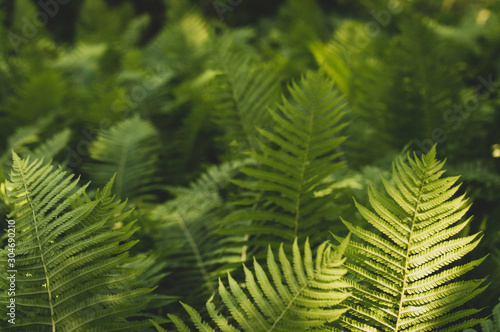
196, 252
408, 250
302, 174
30, 201
290, 303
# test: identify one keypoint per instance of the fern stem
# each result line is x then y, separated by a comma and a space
32, 207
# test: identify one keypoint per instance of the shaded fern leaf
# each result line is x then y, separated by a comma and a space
489, 325
295, 163
196, 256
129, 149
69, 259
301, 295
52, 146
243, 93
405, 285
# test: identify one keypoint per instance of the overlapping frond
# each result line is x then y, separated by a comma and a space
69, 253
300, 295
296, 160
129, 149
405, 282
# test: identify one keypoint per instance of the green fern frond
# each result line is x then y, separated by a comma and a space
130, 148
300, 295
296, 160
243, 93
69, 261
196, 255
405, 285
52, 146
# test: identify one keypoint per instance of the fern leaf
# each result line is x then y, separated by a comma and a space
405, 284
130, 149
196, 255
69, 261
300, 295
242, 95
296, 161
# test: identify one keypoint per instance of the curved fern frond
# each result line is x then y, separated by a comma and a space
129, 149
300, 295
69, 261
297, 159
405, 285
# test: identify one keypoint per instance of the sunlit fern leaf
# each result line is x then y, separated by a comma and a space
69, 255
296, 158
405, 285
181, 45
300, 295
196, 256
242, 94
489, 325
129, 149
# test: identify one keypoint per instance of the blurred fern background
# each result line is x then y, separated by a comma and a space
187, 104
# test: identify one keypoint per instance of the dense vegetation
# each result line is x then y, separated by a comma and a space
247, 166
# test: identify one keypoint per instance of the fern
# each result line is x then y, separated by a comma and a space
196, 256
242, 95
69, 260
300, 296
51, 147
130, 149
408, 288
296, 161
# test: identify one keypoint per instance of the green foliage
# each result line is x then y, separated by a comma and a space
130, 149
69, 256
301, 295
296, 160
187, 223
489, 325
167, 97
242, 96
408, 288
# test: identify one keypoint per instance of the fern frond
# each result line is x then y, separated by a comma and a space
51, 147
296, 161
130, 149
405, 285
197, 256
243, 93
300, 295
69, 261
